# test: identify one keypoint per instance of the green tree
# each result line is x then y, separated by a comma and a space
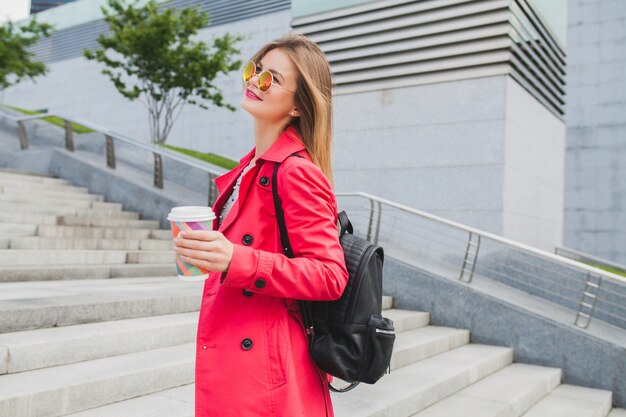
154, 49
15, 60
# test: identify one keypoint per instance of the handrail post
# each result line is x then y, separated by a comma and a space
469, 260
110, 147
588, 301
371, 222
158, 170
69, 139
22, 132
380, 212
212, 189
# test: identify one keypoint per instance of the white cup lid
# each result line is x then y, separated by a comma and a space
191, 214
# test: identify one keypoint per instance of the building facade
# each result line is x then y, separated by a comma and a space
454, 107
595, 179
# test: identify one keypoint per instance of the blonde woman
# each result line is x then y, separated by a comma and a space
252, 356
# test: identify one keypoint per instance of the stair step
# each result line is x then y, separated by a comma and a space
35, 187
26, 257
62, 209
573, 401
25, 218
161, 234
102, 232
42, 348
617, 412
414, 387
387, 302
174, 402
507, 393
153, 257
106, 222
95, 243
156, 244
415, 345
12, 190
43, 304
70, 272
15, 230
74, 202
404, 320
40, 179
80, 386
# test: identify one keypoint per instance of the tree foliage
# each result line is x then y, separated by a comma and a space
15, 60
154, 49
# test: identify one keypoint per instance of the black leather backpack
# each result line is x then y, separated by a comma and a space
348, 338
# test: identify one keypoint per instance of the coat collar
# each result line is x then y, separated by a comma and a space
288, 142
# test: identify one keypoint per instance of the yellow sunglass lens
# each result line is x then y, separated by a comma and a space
248, 71
265, 81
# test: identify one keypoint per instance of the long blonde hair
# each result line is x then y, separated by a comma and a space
313, 97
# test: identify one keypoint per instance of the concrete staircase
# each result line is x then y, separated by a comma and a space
93, 324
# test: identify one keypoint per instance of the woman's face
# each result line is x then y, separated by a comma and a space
277, 104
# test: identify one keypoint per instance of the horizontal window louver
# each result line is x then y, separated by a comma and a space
396, 43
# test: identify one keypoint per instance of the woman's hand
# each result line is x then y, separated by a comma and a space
206, 249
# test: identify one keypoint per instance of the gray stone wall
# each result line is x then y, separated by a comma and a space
482, 152
595, 186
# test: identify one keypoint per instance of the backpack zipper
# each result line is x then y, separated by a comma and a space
385, 331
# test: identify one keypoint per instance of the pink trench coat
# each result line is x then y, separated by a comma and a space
252, 357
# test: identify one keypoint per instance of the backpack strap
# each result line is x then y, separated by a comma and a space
305, 309
280, 214
346, 226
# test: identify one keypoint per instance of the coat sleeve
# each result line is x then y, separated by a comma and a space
318, 271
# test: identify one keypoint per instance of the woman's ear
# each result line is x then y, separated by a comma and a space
294, 113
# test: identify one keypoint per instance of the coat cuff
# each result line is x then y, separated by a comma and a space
249, 268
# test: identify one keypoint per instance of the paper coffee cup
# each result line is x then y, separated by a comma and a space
190, 218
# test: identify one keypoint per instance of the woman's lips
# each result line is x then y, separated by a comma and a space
250, 94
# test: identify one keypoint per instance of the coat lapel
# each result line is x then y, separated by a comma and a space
287, 143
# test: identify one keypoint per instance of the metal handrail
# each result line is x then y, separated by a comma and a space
542, 253
110, 136
473, 244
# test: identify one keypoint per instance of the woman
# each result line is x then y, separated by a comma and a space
252, 357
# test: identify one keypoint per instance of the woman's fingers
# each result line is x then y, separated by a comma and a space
205, 235
196, 244
206, 249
